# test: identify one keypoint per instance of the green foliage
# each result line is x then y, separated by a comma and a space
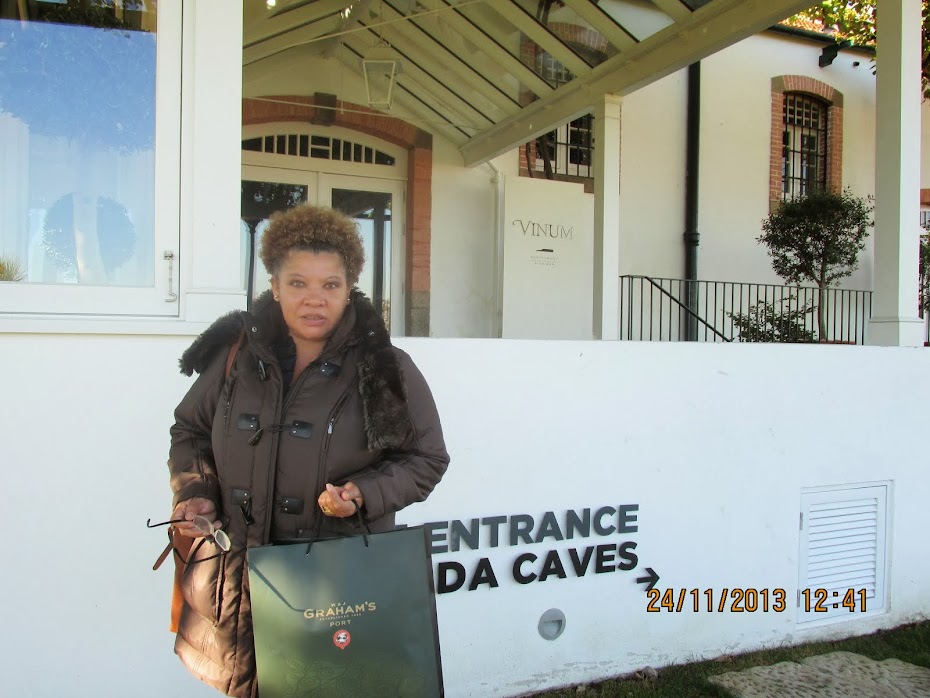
855, 21
818, 237
11, 269
925, 272
774, 322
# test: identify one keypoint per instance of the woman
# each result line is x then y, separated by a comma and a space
303, 413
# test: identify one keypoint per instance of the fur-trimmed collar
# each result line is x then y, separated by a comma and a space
381, 384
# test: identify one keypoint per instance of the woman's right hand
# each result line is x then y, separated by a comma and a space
188, 509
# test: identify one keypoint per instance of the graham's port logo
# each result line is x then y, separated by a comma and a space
342, 638
340, 613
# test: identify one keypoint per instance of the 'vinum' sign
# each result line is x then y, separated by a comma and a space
545, 230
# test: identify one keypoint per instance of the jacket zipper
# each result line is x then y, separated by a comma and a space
229, 398
324, 450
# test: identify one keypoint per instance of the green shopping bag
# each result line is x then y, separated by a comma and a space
353, 617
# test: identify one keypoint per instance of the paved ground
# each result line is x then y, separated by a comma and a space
834, 675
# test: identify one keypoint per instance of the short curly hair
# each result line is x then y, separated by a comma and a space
315, 229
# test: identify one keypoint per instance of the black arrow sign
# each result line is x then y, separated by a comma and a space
650, 579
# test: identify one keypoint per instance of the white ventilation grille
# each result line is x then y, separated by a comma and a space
842, 553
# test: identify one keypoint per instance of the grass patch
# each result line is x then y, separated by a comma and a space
909, 643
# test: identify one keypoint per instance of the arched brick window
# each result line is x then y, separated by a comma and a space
807, 138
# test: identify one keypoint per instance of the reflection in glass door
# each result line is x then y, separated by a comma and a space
259, 201
372, 213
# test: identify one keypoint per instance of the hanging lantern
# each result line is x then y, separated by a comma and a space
380, 67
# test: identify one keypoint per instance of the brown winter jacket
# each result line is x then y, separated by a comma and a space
360, 412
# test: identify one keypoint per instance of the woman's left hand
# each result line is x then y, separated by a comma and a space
340, 502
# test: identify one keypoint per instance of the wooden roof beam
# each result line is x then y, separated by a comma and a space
713, 27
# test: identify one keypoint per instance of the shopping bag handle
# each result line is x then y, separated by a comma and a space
319, 522
274, 590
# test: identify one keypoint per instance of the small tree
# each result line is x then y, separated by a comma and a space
817, 239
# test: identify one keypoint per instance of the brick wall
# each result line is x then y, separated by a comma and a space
325, 110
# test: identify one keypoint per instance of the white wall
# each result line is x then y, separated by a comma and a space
463, 246
925, 145
652, 182
548, 261
709, 441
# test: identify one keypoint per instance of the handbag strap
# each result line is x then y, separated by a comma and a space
233, 350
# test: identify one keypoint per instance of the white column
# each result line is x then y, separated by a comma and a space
211, 169
897, 177
607, 217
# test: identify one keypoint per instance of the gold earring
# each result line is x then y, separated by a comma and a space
276, 298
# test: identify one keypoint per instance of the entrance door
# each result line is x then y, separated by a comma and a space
376, 206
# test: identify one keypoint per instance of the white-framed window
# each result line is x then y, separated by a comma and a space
90, 157
569, 149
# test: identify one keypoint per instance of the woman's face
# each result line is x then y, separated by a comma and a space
313, 291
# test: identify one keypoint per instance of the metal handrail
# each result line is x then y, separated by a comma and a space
684, 307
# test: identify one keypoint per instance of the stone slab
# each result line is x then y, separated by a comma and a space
833, 675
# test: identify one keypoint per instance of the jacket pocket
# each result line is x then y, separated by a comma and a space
203, 581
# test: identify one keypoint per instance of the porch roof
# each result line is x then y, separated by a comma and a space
475, 70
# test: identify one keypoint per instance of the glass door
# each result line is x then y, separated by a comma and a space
264, 191
372, 213
377, 208
376, 205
